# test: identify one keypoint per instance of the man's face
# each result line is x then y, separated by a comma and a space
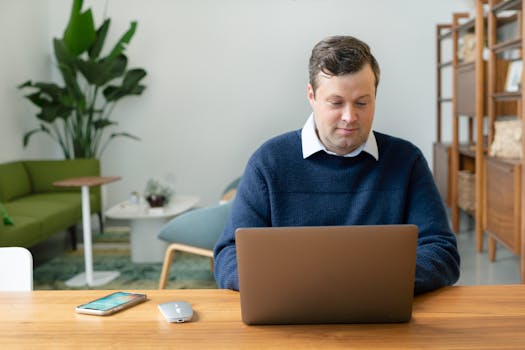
344, 109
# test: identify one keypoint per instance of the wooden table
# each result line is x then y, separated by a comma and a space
90, 277
474, 317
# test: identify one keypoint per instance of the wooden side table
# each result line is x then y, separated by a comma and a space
146, 225
90, 277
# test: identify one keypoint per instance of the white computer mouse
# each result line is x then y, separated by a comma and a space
176, 311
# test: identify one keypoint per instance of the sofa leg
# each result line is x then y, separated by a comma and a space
101, 223
73, 236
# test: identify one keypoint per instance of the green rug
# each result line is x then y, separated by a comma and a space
111, 252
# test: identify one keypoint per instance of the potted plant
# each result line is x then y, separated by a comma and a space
157, 192
77, 114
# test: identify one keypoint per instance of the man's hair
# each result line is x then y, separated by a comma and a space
340, 55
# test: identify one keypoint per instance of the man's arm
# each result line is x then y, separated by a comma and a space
250, 209
438, 260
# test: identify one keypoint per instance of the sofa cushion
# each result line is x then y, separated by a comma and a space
42, 173
14, 181
25, 233
53, 216
5, 218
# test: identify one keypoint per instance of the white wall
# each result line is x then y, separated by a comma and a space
225, 75
24, 28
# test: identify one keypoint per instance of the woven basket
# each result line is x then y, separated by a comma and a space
467, 190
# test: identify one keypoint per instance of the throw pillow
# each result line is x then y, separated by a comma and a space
507, 139
5, 217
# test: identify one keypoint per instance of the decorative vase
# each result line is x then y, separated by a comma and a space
156, 201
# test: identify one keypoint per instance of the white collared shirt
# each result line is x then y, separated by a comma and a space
311, 143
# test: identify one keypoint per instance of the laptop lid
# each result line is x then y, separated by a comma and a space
326, 274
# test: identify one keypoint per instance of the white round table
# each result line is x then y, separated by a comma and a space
146, 224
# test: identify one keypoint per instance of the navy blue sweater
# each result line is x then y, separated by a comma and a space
280, 188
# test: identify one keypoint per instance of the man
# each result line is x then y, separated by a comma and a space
336, 171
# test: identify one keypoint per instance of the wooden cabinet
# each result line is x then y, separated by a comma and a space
503, 204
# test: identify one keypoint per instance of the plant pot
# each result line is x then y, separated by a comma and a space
155, 201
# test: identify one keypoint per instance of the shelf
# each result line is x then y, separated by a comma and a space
502, 21
469, 212
467, 116
467, 150
445, 35
465, 65
506, 96
513, 44
466, 26
445, 64
509, 161
507, 5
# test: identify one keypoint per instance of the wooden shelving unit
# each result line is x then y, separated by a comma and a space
479, 100
505, 180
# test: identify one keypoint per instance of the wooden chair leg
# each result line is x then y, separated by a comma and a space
168, 259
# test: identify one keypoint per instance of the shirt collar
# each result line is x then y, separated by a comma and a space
311, 143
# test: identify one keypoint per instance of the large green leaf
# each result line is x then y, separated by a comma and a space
133, 77
63, 56
98, 44
101, 72
103, 123
80, 32
51, 89
25, 84
47, 91
39, 99
73, 87
130, 85
50, 99
125, 39
124, 134
48, 113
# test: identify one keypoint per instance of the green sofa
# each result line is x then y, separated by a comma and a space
37, 208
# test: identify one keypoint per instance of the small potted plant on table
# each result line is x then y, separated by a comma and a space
158, 193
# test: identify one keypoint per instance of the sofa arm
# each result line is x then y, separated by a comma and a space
42, 173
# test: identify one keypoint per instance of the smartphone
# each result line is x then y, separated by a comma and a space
111, 303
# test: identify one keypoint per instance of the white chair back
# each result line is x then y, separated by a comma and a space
16, 269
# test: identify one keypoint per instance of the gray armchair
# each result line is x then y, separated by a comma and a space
196, 231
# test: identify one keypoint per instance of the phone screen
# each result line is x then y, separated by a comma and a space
111, 303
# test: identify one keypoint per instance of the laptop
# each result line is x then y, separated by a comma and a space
326, 274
